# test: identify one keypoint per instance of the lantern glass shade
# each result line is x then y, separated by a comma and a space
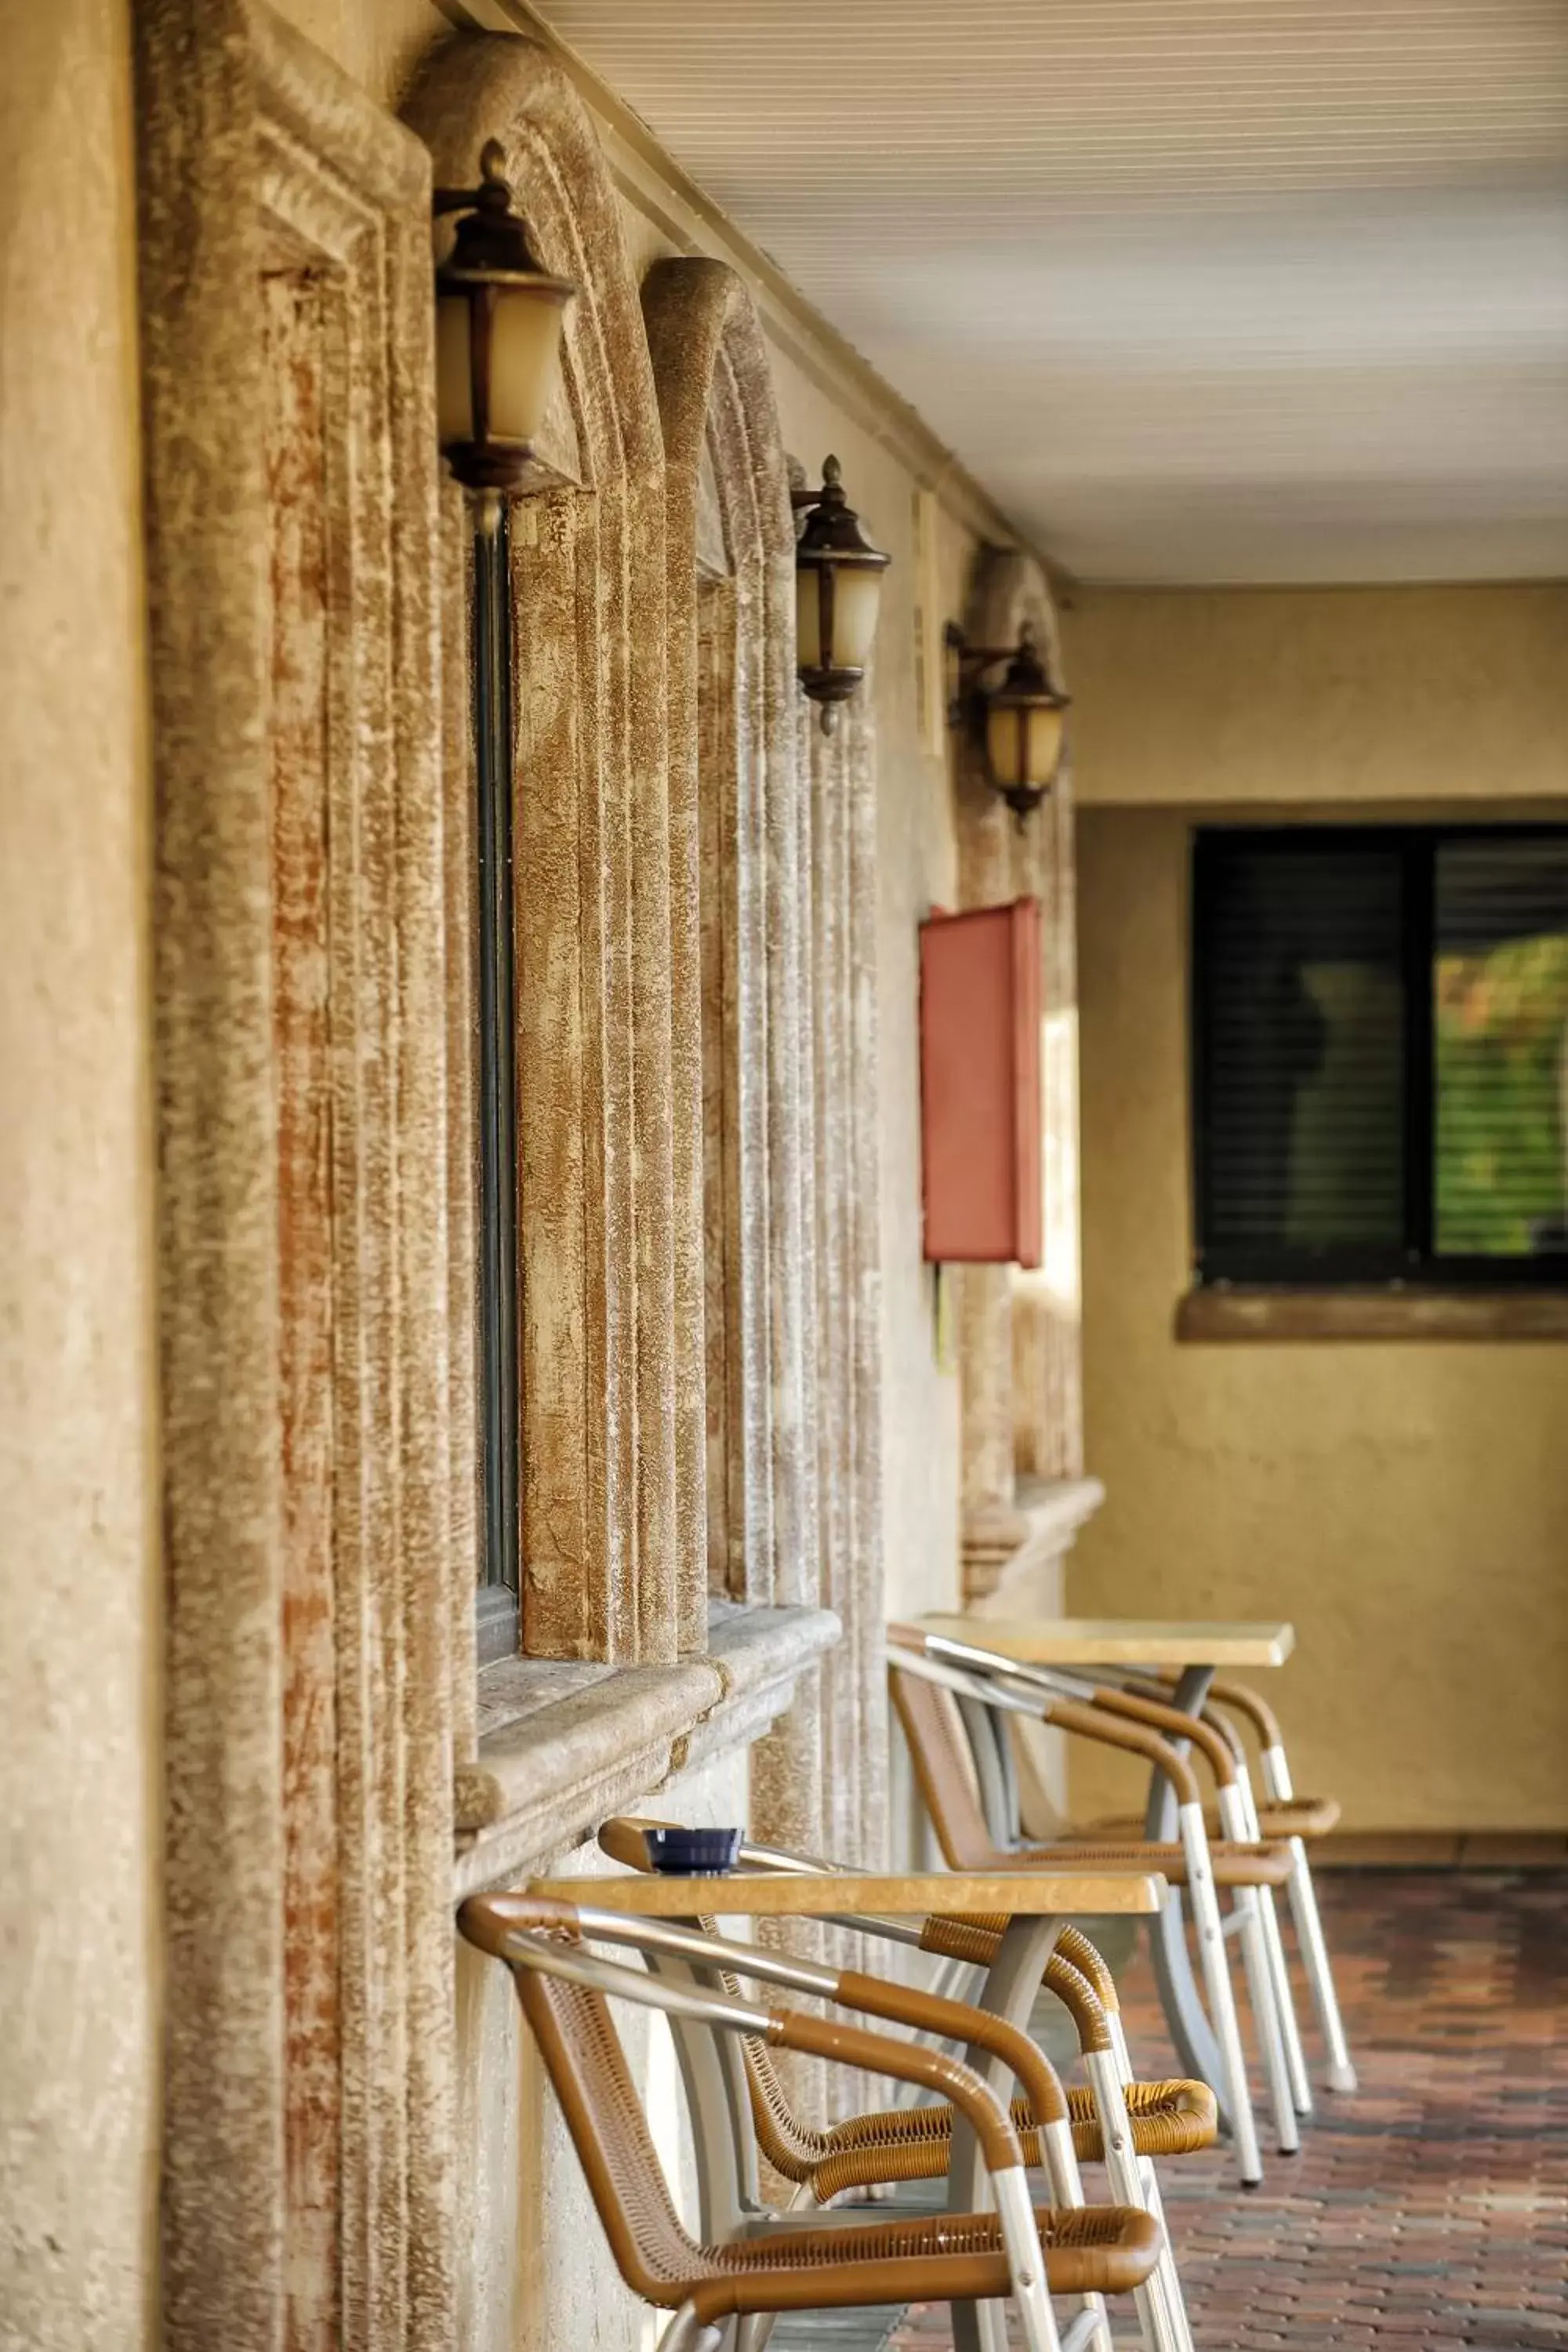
856, 593
525, 327
1022, 743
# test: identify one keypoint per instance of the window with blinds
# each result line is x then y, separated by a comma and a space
1380, 1055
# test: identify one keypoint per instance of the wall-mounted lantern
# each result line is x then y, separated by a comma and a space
1018, 723
838, 587
499, 318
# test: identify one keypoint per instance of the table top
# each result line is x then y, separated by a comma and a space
1087, 1893
1119, 1640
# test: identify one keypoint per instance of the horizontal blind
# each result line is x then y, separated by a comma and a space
1500, 1045
1299, 987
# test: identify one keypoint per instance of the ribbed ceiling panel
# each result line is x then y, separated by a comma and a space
1201, 290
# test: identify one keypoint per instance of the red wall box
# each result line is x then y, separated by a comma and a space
980, 1084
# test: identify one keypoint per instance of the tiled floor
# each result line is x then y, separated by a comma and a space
1430, 2211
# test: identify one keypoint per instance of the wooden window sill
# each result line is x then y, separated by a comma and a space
1254, 1311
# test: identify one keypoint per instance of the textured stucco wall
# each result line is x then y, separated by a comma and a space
379, 42
1319, 694
1405, 1505
79, 1595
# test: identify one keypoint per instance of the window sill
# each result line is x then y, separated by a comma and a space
563, 1745
1239, 1311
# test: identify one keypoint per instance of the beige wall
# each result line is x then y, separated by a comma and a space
1406, 1505
79, 1592
1319, 694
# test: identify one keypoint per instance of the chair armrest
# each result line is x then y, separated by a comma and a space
1113, 1729
975, 1939
785, 2029
1158, 1714
1241, 1699
958, 2021
1074, 1947
908, 2062
896, 2004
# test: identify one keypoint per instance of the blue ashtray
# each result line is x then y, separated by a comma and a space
693, 1854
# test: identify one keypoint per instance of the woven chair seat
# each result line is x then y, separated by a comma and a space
915, 2143
1303, 1817
1095, 2249
1233, 1865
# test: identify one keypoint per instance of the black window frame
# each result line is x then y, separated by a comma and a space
1416, 1264
498, 1602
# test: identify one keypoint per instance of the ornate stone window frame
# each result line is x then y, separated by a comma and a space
307, 1518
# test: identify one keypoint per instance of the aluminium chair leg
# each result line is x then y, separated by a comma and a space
1268, 1988
686, 2333
1260, 1993
1341, 2076
1080, 2333
1066, 2190
1145, 2184
1215, 1965
1026, 2259
1242, 1811
1340, 2071
1160, 2304
1285, 2004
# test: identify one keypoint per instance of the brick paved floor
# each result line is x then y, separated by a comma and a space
1429, 2211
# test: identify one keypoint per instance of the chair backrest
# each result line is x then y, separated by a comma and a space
793, 2148
944, 1769
587, 2068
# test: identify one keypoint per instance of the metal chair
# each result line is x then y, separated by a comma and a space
1126, 1696
1015, 2251
1280, 1816
927, 1685
1115, 2120
1297, 1820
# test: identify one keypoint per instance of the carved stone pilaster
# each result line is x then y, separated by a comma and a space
292, 541
1020, 1369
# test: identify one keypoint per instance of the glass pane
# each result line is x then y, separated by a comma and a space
1304, 1049
1500, 1021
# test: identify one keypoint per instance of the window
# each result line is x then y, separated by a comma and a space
1380, 1055
499, 1401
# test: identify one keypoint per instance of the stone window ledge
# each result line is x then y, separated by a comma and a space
1007, 1545
564, 1745
1242, 1311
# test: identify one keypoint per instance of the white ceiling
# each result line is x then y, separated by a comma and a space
1199, 289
